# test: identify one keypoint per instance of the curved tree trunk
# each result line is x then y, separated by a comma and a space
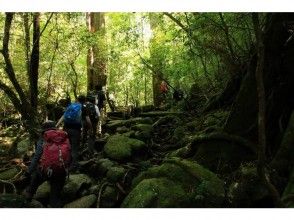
25, 104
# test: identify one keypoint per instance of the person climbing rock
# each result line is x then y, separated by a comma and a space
50, 162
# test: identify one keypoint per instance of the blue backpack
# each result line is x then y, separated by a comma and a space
73, 114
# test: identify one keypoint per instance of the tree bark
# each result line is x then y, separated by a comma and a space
8, 65
34, 64
27, 40
156, 62
278, 82
262, 111
96, 60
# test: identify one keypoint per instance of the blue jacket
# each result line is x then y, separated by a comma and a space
37, 156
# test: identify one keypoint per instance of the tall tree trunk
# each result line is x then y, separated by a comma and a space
96, 60
156, 62
262, 111
34, 65
27, 40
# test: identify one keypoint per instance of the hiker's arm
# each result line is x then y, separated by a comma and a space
89, 124
60, 121
97, 111
37, 156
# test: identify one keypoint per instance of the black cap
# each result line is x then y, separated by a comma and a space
81, 98
91, 98
48, 125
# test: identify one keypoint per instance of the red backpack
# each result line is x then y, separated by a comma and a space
56, 155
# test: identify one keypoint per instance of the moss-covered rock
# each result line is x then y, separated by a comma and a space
34, 204
94, 189
120, 147
114, 124
84, 202
181, 152
75, 184
143, 131
156, 192
176, 183
130, 134
43, 192
104, 165
114, 174
24, 146
109, 197
9, 173
121, 130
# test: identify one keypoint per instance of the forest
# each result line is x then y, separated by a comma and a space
198, 109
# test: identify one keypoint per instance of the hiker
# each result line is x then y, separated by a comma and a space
178, 95
163, 88
94, 115
111, 99
101, 104
75, 117
50, 162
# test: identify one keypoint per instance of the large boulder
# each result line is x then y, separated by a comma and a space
221, 152
121, 148
176, 183
43, 192
75, 185
157, 192
84, 202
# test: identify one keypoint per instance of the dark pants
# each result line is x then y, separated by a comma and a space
86, 131
56, 182
74, 136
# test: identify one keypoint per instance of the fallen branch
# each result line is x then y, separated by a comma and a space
99, 194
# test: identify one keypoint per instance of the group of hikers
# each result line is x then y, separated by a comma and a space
57, 150
177, 95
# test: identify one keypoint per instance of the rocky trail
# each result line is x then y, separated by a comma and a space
157, 159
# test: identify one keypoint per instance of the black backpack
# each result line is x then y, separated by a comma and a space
101, 98
92, 111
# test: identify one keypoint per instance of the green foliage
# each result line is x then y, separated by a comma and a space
202, 48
